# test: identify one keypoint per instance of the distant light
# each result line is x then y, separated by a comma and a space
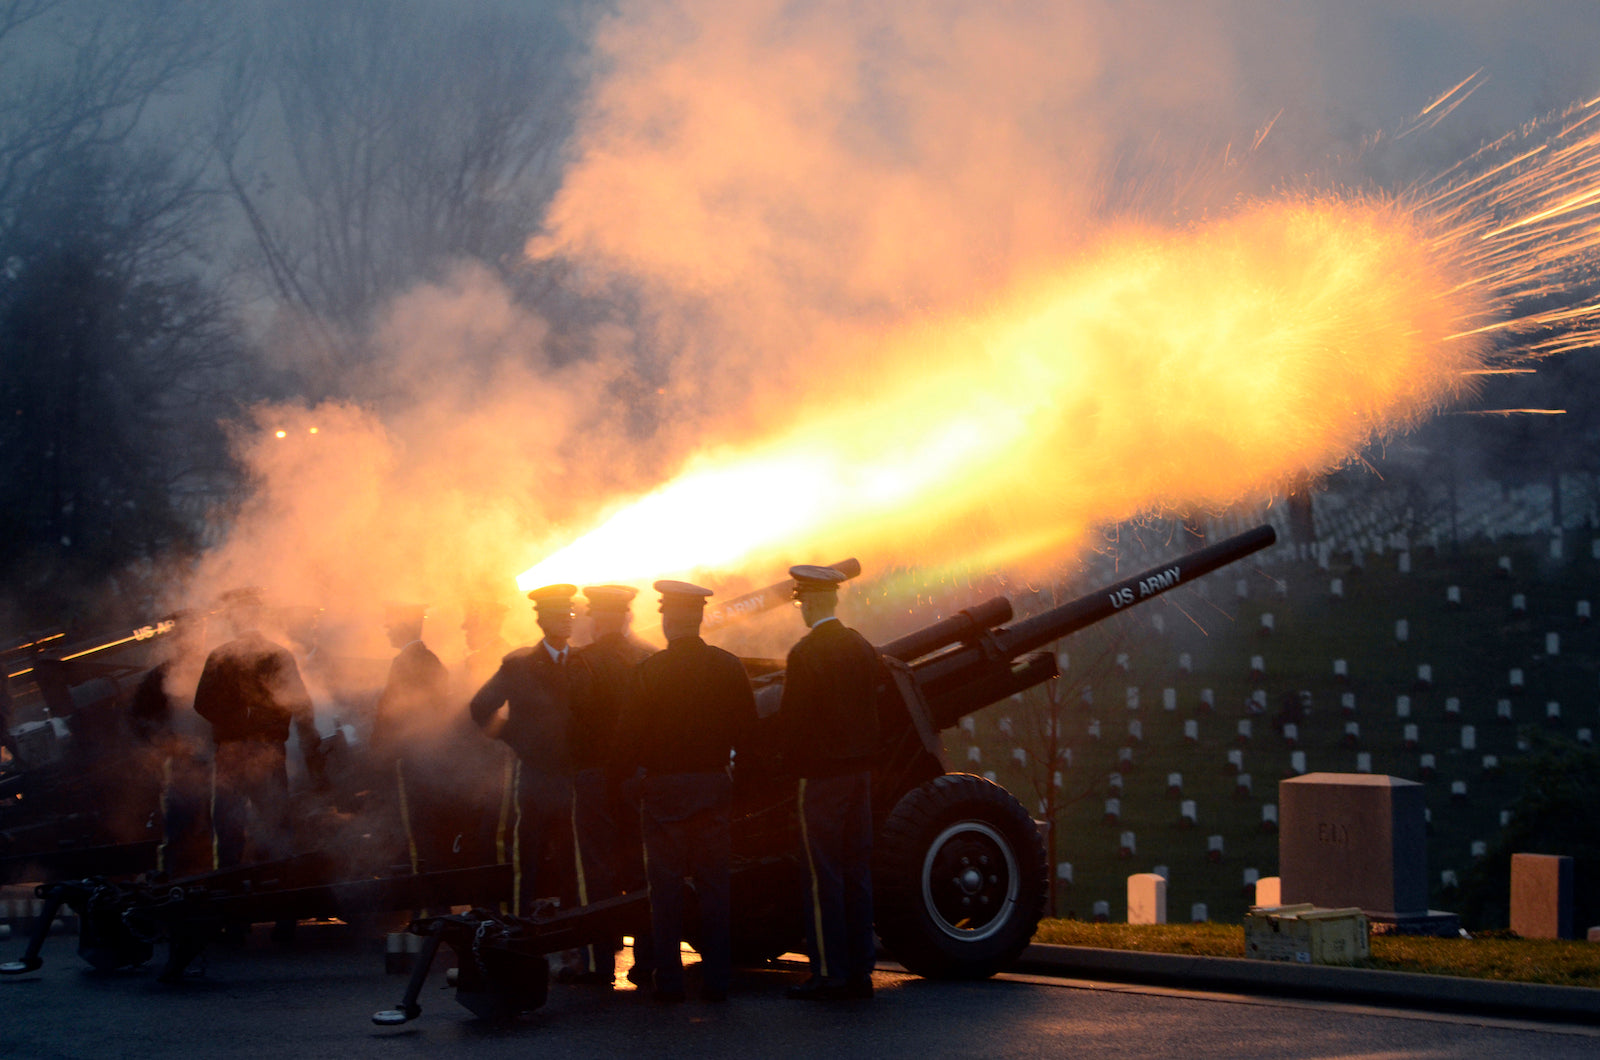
313, 430
283, 434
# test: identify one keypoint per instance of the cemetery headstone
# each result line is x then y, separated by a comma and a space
1358, 840
1542, 896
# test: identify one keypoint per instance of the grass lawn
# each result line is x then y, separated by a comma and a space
1556, 962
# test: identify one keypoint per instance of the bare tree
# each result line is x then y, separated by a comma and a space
370, 144
79, 75
116, 354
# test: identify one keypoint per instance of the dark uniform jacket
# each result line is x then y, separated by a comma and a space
534, 688
413, 702
250, 689
691, 705
602, 677
150, 710
484, 661
829, 714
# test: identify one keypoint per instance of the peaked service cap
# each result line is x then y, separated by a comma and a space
609, 597
553, 597
681, 595
813, 579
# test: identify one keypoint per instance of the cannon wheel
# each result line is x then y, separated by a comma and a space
960, 878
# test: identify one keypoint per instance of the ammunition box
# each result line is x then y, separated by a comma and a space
1306, 935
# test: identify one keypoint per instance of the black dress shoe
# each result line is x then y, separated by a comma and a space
858, 988
668, 997
813, 989
639, 975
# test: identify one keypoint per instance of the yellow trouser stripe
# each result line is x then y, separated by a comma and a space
516, 838
508, 781
166, 810
577, 863
816, 897
405, 812
216, 854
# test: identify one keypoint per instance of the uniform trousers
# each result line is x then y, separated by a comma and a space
186, 847
249, 801
594, 829
836, 827
543, 837
684, 819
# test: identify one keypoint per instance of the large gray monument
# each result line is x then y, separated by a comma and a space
1355, 839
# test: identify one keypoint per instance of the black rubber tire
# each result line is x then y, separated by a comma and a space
959, 877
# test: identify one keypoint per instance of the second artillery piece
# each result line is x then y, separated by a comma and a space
959, 868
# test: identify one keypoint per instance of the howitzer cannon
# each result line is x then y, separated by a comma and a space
959, 867
61, 766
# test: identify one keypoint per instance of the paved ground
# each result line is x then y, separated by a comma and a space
316, 1001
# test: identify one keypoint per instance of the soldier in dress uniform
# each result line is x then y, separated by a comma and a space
608, 849
487, 769
406, 729
176, 751
692, 706
480, 624
251, 692
532, 684
828, 722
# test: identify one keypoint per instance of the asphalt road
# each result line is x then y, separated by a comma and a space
316, 1000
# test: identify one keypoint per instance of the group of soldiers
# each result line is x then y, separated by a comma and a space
619, 774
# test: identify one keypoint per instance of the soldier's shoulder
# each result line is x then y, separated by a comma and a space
860, 640
428, 658
516, 654
726, 660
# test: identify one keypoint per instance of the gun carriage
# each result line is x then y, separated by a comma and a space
959, 866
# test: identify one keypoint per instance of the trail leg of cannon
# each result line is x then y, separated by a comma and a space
54, 898
409, 1009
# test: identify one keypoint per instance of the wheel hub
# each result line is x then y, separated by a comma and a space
970, 880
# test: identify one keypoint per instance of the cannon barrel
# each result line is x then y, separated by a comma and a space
1070, 617
765, 598
981, 671
82, 650
963, 625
